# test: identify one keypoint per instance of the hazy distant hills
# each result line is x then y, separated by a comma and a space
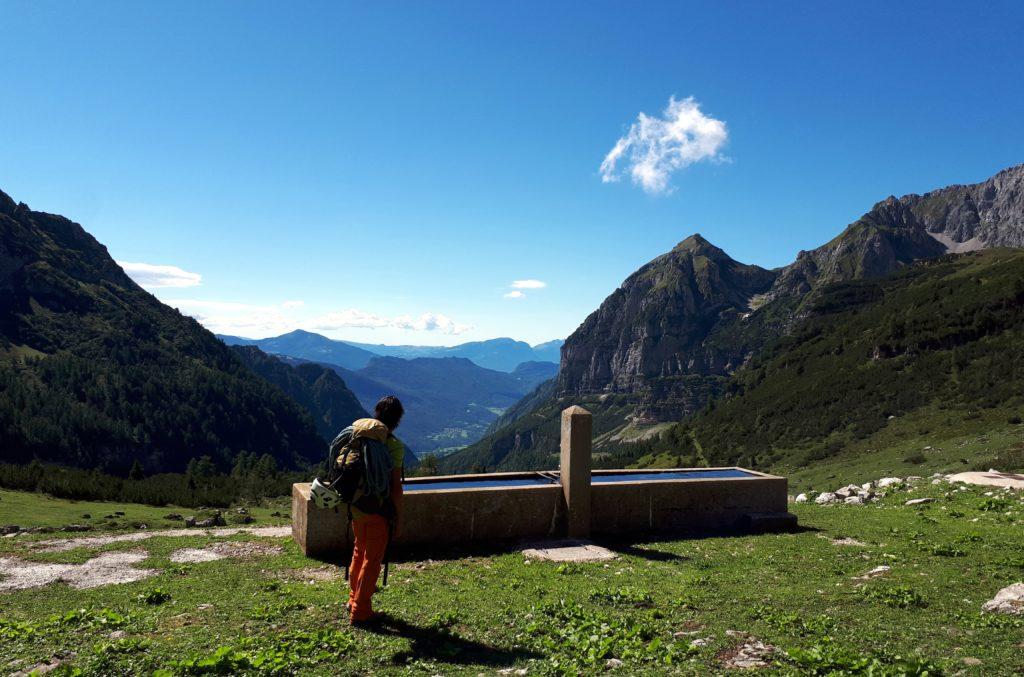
501, 354
308, 346
673, 335
97, 373
450, 402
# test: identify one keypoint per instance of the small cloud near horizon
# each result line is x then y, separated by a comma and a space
518, 285
655, 148
152, 276
529, 284
244, 319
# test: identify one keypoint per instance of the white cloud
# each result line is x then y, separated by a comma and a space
515, 295
654, 148
153, 276
529, 284
225, 317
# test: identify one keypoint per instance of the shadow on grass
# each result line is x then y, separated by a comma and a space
636, 545
433, 643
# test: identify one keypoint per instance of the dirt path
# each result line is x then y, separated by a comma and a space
65, 544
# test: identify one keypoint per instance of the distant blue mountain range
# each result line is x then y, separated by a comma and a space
500, 354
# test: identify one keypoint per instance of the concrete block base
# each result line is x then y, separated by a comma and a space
319, 533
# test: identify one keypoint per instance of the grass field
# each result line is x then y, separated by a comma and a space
35, 510
472, 612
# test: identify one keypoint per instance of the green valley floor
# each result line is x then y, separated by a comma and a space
883, 588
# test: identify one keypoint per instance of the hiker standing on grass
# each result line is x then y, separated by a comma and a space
373, 531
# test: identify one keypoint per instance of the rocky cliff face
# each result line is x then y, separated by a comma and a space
977, 216
687, 318
653, 329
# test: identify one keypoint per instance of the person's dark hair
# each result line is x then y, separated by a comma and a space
389, 411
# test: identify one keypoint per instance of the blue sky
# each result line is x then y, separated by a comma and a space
386, 171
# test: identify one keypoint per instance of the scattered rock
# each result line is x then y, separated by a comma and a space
118, 634
889, 482
867, 486
173, 517
968, 660
700, 641
216, 521
846, 540
76, 527
9, 529
854, 500
569, 551
913, 478
190, 521
41, 668
612, 663
801, 498
847, 491
204, 607
874, 573
1009, 600
242, 511
751, 654
826, 498
919, 501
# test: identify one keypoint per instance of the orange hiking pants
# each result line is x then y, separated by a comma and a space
371, 540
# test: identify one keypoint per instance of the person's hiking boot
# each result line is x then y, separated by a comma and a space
370, 621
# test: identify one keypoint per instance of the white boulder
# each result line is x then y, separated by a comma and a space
826, 498
1009, 600
889, 482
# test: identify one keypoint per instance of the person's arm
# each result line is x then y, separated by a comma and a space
397, 497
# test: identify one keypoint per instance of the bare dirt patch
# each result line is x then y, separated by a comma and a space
65, 544
311, 574
107, 569
242, 549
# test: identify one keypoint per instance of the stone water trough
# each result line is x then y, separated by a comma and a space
574, 502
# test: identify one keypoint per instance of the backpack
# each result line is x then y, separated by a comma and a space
359, 468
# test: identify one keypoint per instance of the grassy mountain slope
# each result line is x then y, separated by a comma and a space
97, 373
877, 364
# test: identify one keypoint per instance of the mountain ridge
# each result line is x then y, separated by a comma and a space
667, 340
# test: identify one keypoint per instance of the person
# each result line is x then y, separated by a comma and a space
372, 532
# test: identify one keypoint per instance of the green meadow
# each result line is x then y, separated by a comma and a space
676, 606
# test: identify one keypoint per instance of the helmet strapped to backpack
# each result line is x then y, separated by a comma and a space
324, 496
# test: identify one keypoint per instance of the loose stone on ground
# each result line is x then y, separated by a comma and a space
1009, 600
569, 551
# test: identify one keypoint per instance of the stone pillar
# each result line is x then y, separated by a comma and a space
575, 469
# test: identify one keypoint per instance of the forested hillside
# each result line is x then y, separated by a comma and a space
97, 373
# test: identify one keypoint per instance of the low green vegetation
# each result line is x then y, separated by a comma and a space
684, 606
28, 510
